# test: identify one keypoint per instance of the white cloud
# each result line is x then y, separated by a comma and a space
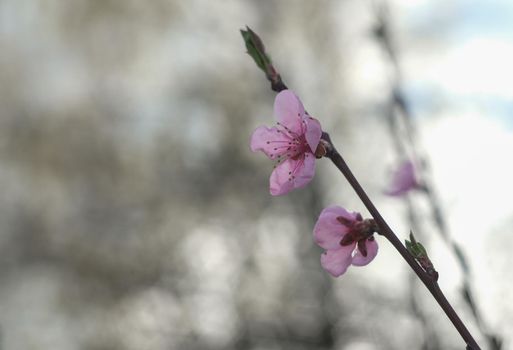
480, 66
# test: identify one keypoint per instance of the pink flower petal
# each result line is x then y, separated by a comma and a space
403, 180
313, 132
289, 111
292, 174
305, 172
328, 231
372, 251
337, 261
339, 211
270, 141
280, 181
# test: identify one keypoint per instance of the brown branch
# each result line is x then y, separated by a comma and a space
387, 232
399, 102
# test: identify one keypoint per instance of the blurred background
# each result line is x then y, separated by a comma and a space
134, 216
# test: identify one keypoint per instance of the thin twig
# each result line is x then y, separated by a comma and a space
399, 102
387, 232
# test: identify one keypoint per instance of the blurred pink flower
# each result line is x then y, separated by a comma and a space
347, 239
404, 179
292, 142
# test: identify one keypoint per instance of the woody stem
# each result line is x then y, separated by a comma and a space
385, 230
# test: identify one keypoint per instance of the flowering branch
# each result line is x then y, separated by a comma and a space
296, 139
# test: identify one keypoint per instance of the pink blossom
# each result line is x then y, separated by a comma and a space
347, 238
404, 179
293, 143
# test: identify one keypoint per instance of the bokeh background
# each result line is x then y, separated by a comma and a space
134, 216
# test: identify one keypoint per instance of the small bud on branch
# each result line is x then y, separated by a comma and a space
419, 253
256, 50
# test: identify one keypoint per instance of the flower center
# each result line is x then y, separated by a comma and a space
291, 145
359, 232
